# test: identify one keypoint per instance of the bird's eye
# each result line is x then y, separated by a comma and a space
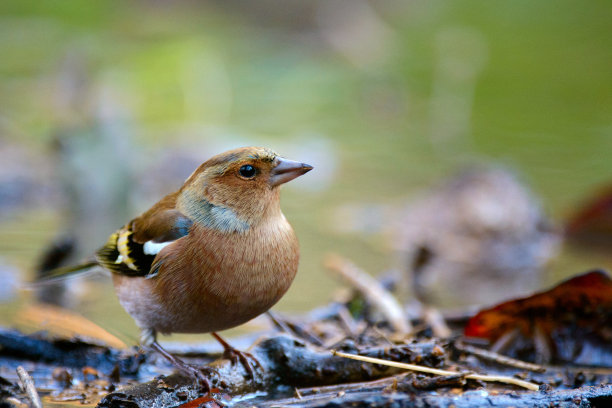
247, 171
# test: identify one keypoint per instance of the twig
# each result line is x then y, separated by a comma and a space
436, 321
280, 325
14, 403
499, 358
311, 394
347, 322
543, 349
352, 386
382, 335
372, 290
432, 383
505, 340
29, 387
294, 329
414, 367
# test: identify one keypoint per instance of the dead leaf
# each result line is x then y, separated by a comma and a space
67, 324
567, 321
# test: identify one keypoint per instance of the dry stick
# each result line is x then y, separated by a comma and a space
542, 345
435, 319
498, 358
351, 386
505, 340
281, 325
302, 334
347, 321
325, 392
413, 367
28, 386
372, 290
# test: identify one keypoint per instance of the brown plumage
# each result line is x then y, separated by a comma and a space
210, 256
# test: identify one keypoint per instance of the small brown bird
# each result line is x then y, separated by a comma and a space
211, 256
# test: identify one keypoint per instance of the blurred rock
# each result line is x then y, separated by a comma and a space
480, 238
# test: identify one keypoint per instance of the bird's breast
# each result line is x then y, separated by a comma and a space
213, 280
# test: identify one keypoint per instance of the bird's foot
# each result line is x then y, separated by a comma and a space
235, 356
202, 382
245, 359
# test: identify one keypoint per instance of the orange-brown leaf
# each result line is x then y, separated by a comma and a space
582, 301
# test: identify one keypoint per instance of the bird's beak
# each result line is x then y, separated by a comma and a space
286, 170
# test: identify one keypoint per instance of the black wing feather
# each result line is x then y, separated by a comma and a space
124, 255
110, 257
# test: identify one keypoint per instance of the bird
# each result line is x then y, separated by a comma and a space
208, 257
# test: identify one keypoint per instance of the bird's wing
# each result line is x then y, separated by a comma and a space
132, 249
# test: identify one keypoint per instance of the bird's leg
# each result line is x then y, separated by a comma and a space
234, 355
148, 337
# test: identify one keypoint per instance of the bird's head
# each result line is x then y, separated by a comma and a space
238, 188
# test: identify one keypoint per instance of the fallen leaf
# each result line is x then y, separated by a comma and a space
67, 324
571, 319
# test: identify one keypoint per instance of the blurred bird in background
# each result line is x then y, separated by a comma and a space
208, 257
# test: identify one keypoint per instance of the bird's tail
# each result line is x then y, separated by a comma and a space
67, 271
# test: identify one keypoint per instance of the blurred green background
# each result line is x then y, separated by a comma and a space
115, 102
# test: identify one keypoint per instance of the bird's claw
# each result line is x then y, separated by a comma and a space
243, 357
235, 355
201, 380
